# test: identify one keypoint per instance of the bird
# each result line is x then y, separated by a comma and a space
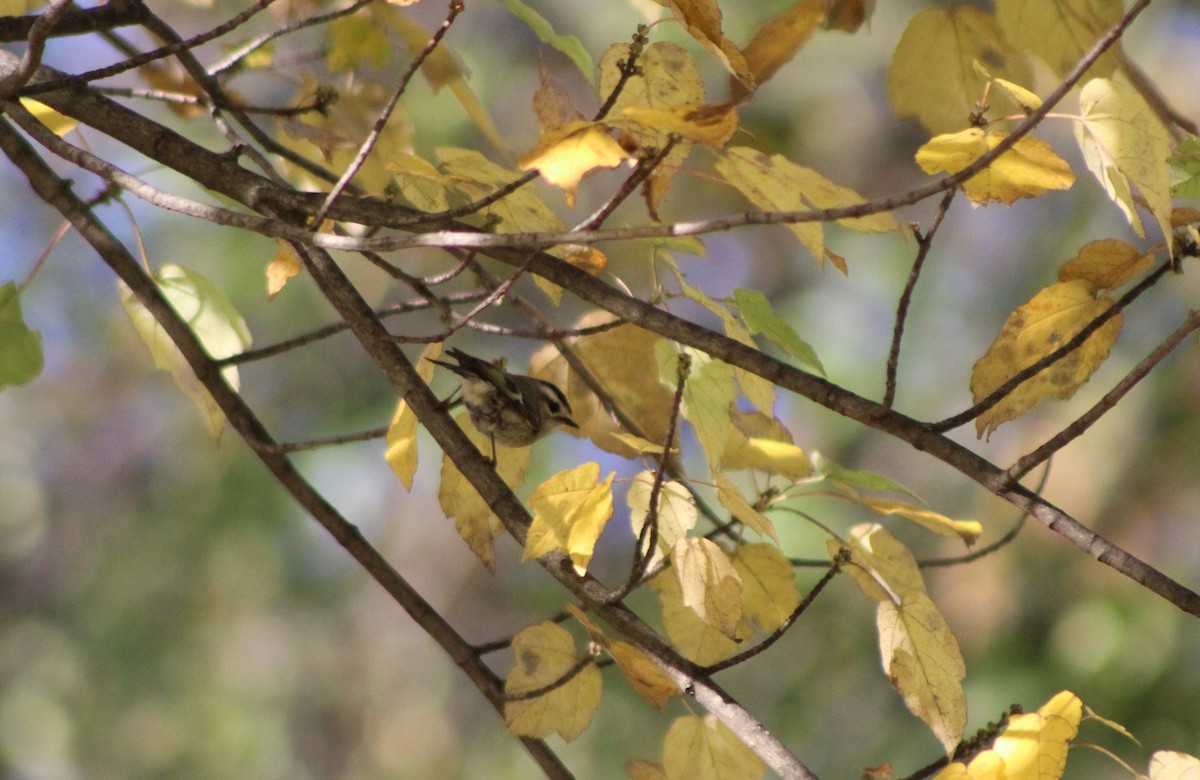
512, 409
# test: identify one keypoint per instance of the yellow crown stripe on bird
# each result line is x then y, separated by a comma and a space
513, 409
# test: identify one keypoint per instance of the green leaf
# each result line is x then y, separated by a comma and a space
21, 358
569, 45
1185, 169
708, 396
761, 318
855, 478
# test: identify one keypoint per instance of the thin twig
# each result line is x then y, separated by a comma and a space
368, 144
235, 59
924, 242
35, 46
1032, 370
627, 68
282, 448
1110, 399
583, 662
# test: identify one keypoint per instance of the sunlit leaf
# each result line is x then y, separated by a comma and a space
567, 155
1170, 765
58, 124
1052, 318
645, 676
569, 511
708, 397
967, 530
882, 567
677, 513
401, 453
1034, 745
218, 326
711, 125
698, 640
283, 266
1124, 144
708, 583
1026, 170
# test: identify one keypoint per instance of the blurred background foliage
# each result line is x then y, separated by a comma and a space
165, 611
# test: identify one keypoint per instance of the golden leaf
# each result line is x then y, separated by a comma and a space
711, 125
645, 676
283, 266
1124, 143
401, 453
1026, 170
777, 41
967, 530
568, 154
57, 123
1052, 318
1105, 264
702, 20
542, 655
569, 512
883, 568
1034, 745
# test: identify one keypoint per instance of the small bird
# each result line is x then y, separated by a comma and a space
513, 409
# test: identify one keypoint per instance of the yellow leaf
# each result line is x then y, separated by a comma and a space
985, 766
639, 445
401, 452
770, 455
569, 511
967, 530
677, 512
564, 157
1124, 143
476, 176
708, 396
585, 258
1106, 264
646, 676
667, 78
703, 748
354, 41
617, 359
542, 655
768, 584
698, 640
708, 583
283, 266
778, 40
757, 390
1060, 31
474, 519
882, 567
702, 20
1026, 170
1052, 318
1034, 745
57, 123
1170, 765
421, 184
213, 319
732, 499
932, 75
711, 125
922, 659
774, 183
